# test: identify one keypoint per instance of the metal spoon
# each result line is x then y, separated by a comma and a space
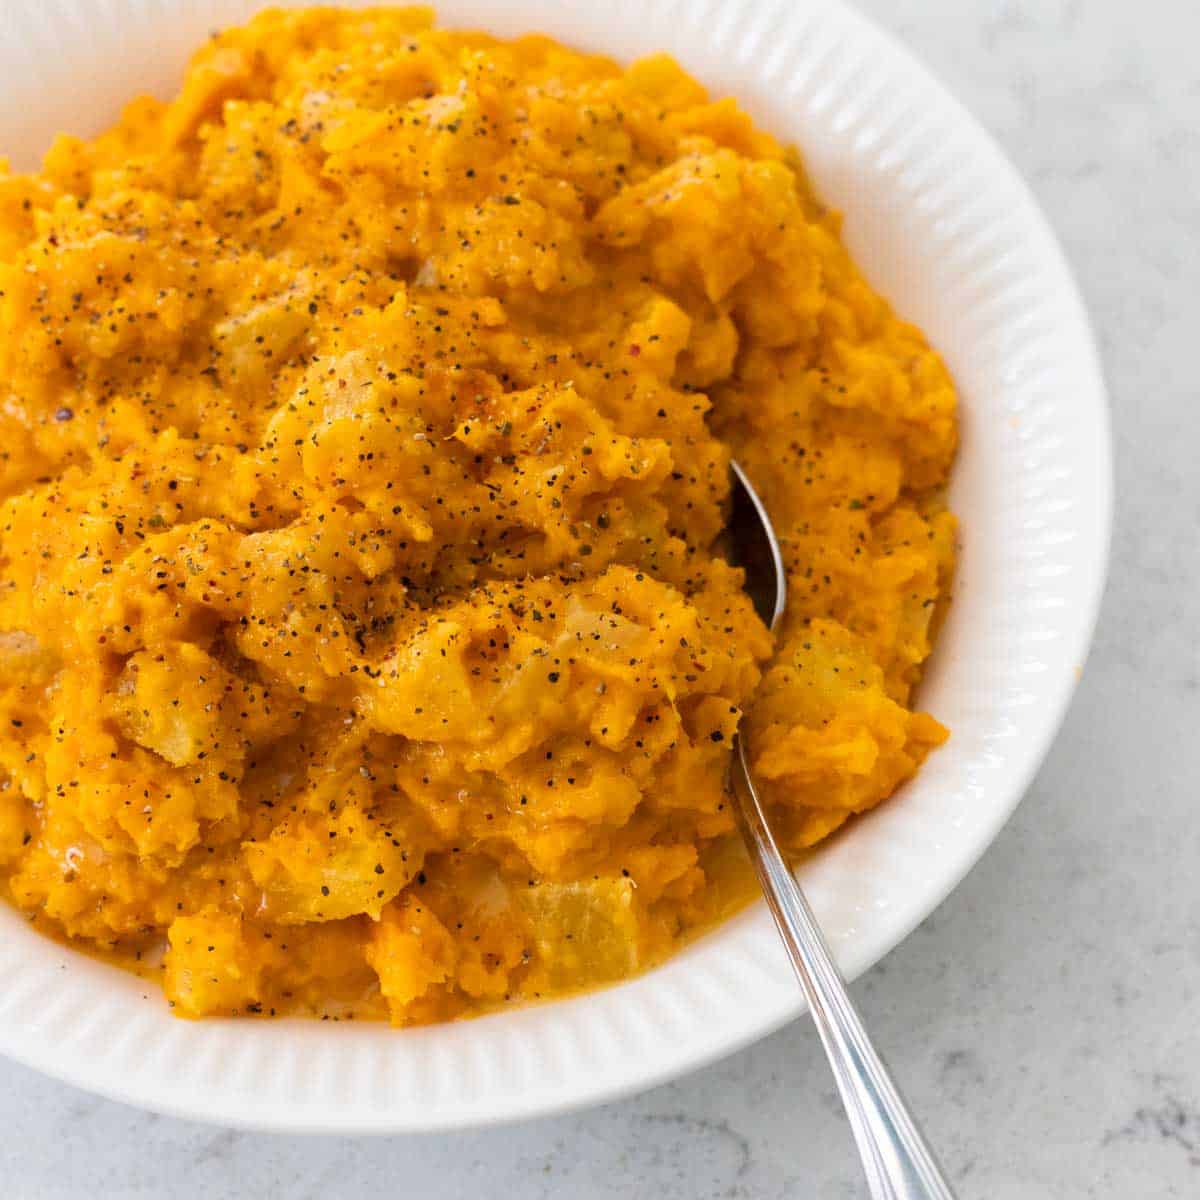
899, 1165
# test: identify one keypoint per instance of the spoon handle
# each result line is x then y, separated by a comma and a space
899, 1165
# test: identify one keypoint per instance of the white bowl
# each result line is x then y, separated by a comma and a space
944, 227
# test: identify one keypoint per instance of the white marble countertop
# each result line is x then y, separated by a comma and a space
1043, 1020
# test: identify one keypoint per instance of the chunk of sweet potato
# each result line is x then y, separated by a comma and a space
411, 951
326, 867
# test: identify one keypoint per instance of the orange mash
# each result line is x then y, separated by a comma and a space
364, 438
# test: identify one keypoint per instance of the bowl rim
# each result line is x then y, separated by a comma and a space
31, 1042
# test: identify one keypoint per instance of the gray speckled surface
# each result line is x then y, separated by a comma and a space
1044, 1019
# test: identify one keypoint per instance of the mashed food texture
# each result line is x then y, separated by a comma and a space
365, 423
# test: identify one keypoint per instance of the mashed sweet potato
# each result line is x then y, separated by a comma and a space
364, 440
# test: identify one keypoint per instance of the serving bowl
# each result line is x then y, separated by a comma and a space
944, 227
